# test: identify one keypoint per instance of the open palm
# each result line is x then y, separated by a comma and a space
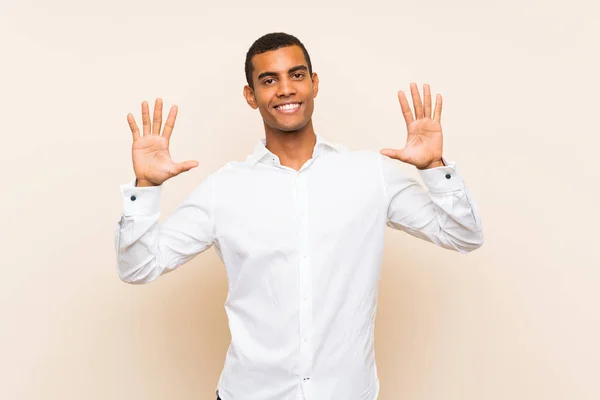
424, 141
152, 161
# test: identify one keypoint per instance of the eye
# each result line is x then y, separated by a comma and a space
298, 74
268, 81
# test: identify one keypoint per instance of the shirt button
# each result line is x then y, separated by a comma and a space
133, 198
448, 176
305, 298
305, 339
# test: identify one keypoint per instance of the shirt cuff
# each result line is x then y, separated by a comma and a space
442, 179
140, 200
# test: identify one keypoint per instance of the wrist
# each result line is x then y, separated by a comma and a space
143, 183
434, 164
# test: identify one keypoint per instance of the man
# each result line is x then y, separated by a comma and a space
299, 226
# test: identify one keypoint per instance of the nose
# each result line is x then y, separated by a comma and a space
286, 88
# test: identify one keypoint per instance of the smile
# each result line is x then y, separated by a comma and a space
288, 108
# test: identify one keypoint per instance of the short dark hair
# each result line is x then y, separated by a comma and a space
269, 42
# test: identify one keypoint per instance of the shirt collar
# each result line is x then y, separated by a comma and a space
261, 151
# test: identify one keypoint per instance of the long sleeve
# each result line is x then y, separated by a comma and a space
147, 248
443, 212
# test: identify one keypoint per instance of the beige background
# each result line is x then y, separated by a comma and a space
516, 319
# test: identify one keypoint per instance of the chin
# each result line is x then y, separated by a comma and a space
290, 127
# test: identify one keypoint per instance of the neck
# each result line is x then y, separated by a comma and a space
293, 148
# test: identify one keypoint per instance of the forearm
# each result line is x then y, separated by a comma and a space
458, 224
442, 212
449, 220
135, 237
147, 248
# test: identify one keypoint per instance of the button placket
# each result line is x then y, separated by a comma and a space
304, 277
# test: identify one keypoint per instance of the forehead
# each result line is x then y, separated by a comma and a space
279, 60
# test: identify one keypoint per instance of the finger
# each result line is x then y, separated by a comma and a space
393, 153
437, 113
145, 118
170, 123
414, 91
185, 166
427, 101
133, 126
406, 111
157, 119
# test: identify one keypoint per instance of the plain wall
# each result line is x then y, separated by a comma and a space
516, 319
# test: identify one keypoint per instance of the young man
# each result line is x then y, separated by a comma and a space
299, 226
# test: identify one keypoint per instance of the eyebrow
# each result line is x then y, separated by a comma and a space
291, 70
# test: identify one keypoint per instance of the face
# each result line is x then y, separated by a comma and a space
283, 90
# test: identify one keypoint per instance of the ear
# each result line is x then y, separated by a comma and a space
315, 83
249, 95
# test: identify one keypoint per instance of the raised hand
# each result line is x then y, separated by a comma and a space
423, 147
152, 161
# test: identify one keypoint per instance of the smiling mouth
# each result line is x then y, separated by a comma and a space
288, 108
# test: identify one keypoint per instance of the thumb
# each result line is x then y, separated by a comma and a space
185, 166
393, 153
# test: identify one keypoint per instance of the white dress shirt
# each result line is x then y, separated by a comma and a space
302, 251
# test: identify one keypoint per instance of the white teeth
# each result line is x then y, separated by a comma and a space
288, 107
